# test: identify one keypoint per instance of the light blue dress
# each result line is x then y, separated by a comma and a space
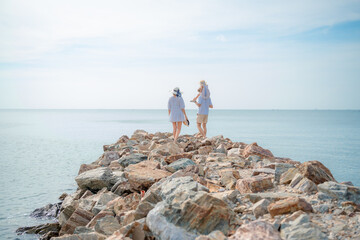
205, 103
175, 105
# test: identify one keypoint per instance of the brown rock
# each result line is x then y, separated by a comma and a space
205, 150
142, 175
254, 184
287, 176
173, 158
254, 149
87, 167
289, 205
98, 216
123, 205
79, 218
316, 172
256, 230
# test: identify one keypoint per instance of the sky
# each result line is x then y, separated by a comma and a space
130, 54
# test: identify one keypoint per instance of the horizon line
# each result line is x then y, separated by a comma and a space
226, 109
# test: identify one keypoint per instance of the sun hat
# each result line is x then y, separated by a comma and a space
176, 91
186, 122
202, 82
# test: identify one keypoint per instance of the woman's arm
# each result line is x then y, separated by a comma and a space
211, 106
183, 110
169, 111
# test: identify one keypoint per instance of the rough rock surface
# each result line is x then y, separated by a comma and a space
254, 184
256, 230
289, 205
316, 172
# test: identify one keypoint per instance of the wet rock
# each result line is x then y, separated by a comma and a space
107, 225
256, 230
289, 205
133, 158
254, 184
340, 191
179, 164
39, 229
144, 174
254, 149
96, 179
316, 172
260, 208
48, 212
79, 218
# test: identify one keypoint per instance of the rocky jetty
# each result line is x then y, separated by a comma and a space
147, 187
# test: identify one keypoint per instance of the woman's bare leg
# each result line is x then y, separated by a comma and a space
174, 129
200, 129
178, 130
204, 129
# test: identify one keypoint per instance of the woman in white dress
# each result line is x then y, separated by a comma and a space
176, 107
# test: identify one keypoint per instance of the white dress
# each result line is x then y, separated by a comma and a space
175, 105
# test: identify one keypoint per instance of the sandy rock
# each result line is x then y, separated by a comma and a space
179, 164
254, 184
254, 149
316, 172
79, 218
107, 225
142, 175
96, 179
256, 230
289, 205
287, 176
260, 208
133, 158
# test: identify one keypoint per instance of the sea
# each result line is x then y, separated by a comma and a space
41, 150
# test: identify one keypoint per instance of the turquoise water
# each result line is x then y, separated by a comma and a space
41, 150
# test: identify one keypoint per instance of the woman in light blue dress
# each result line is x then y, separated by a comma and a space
176, 107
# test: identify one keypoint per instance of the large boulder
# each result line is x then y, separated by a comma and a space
254, 184
289, 205
316, 172
103, 199
200, 215
107, 225
133, 158
340, 191
79, 218
108, 157
144, 174
96, 179
256, 230
254, 149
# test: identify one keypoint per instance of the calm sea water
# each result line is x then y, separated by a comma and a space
41, 150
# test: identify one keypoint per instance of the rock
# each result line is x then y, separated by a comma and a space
179, 164
82, 229
254, 184
107, 225
87, 167
82, 236
102, 201
254, 149
307, 186
215, 235
228, 177
48, 212
39, 229
234, 152
125, 204
100, 215
79, 218
167, 149
297, 178
256, 230
205, 150
301, 228
289, 205
259, 171
341, 192
260, 208
316, 172
96, 179
173, 158
271, 196
322, 208
281, 168
288, 176
133, 158
142, 175
200, 215
108, 157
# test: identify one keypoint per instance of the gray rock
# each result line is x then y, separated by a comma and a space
107, 225
108, 157
305, 185
132, 159
179, 164
83, 229
103, 200
96, 179
39, 229
322, 208
254, 158
340, 192
260, 208
296, 179
48, 212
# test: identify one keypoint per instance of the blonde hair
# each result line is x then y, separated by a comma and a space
202, 82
